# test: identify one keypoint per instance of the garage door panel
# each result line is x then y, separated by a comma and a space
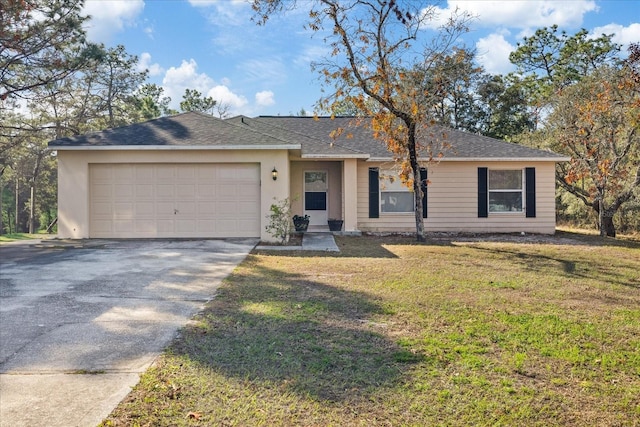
165, 191
102, 191
123, 226
144, 191
123, 174
206, 209
185, 191
164, 173
165, 226
145, 227
175, 200
144, 209
206, 226
186, 208
206, 191
123, 210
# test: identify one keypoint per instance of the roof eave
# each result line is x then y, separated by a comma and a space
173, 147
483, 159
333, 156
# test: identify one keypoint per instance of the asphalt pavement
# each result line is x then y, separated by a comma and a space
81, 320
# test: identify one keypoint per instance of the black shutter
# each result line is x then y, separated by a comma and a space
530, 191
483, 193
374, 193
423, 185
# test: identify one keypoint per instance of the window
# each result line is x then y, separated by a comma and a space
505, 191
394, 195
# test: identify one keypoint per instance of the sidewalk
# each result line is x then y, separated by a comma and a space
323, 242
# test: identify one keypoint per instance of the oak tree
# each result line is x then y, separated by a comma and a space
375, 46
597, 122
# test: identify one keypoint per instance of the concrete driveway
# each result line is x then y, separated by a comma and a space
80, 320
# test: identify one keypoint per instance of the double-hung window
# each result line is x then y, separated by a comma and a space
505, 191
395, 197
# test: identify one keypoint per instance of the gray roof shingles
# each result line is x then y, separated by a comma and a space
187, 129
454, 144
312, 134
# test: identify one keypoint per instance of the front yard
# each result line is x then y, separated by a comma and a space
509, 331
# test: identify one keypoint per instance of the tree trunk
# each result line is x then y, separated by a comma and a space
17, 213
605, 219
415, 168
1, 194
32, 208
607, 226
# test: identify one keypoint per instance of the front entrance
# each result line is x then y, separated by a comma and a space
315, 197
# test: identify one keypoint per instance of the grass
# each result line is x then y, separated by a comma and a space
458, 331
12, 237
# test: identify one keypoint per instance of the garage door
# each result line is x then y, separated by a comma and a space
174, 200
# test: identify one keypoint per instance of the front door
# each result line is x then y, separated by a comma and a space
315, 197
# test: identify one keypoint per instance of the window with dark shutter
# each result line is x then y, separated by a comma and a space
530, 190
374, 190
423, 185
483, 195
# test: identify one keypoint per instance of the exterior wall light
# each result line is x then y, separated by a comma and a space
274, 173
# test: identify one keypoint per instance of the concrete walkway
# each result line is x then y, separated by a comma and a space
323, 242
319, 242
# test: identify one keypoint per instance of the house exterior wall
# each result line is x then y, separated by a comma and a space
334, 196
453, 201
73, 179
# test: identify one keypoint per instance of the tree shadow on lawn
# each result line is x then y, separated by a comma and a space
610, 271
305, 337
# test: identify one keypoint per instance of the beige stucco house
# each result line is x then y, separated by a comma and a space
196, 176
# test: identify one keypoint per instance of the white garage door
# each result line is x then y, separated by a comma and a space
174, 200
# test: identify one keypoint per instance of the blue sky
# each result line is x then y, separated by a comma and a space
214, 47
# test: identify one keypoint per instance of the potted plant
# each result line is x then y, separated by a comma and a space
301, 223
335, 224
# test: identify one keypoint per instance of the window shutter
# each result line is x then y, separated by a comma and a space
530, 190
374, 193
423, 184
483, 193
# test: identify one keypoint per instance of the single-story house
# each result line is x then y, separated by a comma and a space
196, 176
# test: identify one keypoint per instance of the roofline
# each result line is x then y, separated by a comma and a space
172, 147
333, 156
483, 159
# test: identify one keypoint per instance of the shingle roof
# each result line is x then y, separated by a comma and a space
454, 144
312, 145
310, 134
187, 129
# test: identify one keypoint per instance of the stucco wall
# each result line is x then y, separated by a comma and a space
453, 201
73, 178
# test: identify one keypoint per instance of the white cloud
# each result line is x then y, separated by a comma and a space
311, 53
493, 54
206, 3
265, 98
224, 96
186, 76
224, 12
519, 14
145, 64
149, 31
271, 71
621, 35
110, 16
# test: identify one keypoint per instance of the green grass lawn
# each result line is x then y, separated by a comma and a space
12, 237
516, 331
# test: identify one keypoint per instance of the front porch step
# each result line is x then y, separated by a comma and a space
318, 229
